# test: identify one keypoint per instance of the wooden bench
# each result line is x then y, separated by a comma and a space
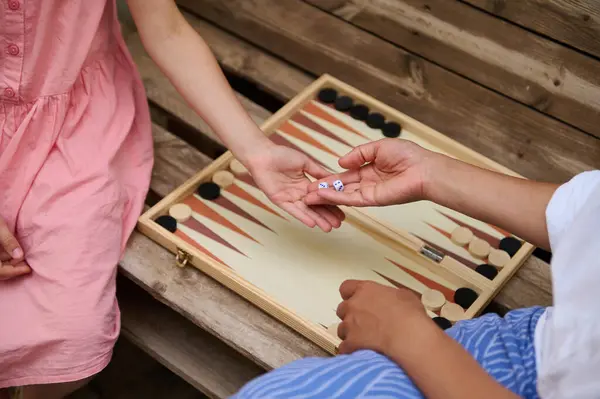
408, 53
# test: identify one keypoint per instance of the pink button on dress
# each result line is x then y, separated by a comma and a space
75, 165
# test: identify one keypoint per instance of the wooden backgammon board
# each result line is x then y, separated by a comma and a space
221, 223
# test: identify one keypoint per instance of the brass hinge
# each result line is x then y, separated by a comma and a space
182, 258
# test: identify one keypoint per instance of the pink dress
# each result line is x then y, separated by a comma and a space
75, 165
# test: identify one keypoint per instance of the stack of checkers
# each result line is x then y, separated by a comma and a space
360, 112
481, 249
448, 312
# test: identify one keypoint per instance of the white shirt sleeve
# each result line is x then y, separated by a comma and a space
568, 337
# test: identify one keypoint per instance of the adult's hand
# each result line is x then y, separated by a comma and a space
383, 172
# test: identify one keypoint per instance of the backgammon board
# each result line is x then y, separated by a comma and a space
221, 223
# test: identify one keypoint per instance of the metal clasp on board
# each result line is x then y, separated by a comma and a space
182, 258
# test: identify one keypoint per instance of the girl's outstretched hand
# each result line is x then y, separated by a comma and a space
281, 173
383, 172
11, 255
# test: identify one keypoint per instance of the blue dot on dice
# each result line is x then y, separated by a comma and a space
338, 185
323, 185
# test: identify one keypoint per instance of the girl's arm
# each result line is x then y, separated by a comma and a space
187, 61
184, 57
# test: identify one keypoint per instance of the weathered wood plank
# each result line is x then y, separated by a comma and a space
190, 352
174, 160
514, 135
530, 286
271, 74
556, 80
576, 23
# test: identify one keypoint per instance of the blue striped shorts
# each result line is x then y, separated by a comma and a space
502, 345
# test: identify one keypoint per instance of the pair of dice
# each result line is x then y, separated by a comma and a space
338, 185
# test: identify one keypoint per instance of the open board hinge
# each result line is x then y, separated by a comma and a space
182, 258
432, 253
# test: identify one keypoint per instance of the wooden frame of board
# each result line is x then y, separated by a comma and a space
184, 253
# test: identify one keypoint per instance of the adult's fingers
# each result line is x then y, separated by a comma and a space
348, 288
315, 197
348, 198
341, 310
298, 213
360, 155
8, 242
342, 330
347, 347
12, 271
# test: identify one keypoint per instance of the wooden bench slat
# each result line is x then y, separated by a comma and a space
271, 74
196, 356
541, 73
174, 161
527, 141
576, 23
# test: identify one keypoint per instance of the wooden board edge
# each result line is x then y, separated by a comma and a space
517, 261
259, 298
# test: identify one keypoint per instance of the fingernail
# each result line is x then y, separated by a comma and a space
17, 253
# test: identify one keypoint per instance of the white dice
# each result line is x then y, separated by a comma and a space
323, 185
338, 185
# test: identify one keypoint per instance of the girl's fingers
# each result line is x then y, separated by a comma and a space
319, 219
298, 213
4, 256
9, 271
8, 242
339, 214
325, 212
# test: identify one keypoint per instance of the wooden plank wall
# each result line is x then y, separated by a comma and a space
574, 23
453, 74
